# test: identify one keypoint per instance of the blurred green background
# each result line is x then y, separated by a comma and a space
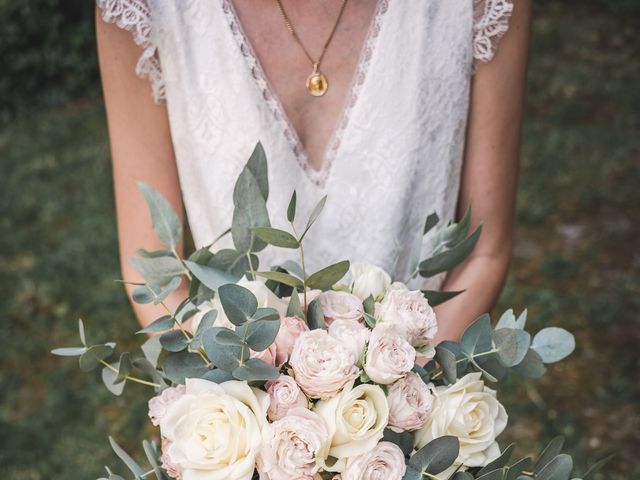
576, 262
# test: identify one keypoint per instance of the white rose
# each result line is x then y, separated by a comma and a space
266, 299
341, 306
285, 395
353, 335
410, 403
389, 356
384, 462
201, 422
411, 313
356, 418
290, 446
470, 411
321, 364
368, 279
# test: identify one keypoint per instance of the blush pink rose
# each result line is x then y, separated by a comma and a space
389, 356
290, 446
411, 403
158, 405
410, 312
285, 395
321, 364
290, 330
341, 306
354, 335
384, 462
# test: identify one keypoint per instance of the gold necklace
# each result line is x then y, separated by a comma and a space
317, 83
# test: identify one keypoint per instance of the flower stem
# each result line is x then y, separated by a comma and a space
129, 377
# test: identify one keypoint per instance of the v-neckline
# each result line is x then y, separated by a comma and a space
273, 102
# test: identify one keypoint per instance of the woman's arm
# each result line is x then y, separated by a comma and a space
489, 176
141, 149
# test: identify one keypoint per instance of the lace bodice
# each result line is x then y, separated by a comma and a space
395, 156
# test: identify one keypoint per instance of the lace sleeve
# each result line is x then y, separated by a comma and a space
135, 17
490, 23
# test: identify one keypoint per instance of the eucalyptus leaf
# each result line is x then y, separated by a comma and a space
223, 355
557, 469
445, 261
83, 338
314, 215
282, 277
294, 309
553, 344
501, 461
497, 474
141, 252
161, 324
432, 221
370, 320
152, 349
207, 322
257, 165
181, 365
491, 365
326, 277
506, 320
276, 237
108, 378
462, 476
315, 317
174, 341
436, 297
227, 337
151, 451
255, 370
145, 294
596, 467
531, 366
69, 351
124, 368
211, 277
233, 262
126, 459
164, 219
93, 356
515, 470
217, 376
171, 287
266, 313
512, 345
250, 212
149, 369
291, 208
436, 456
477, 337
447, 361
521, 321
458, 231
369, 305
238, 303
157, 271
259, 334
412, 473
551, 451
293, 268
404, 440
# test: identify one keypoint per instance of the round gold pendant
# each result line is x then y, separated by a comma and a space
317, 84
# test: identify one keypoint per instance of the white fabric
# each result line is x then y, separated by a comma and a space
395, 157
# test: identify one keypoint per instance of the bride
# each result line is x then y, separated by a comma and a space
392, 108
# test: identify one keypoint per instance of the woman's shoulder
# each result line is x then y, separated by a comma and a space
135, 17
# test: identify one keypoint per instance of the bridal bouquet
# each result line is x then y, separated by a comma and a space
278, 373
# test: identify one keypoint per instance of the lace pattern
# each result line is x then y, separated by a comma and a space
135, 17
318, 177
491, 22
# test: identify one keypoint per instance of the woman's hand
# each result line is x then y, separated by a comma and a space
489, 177
141, 149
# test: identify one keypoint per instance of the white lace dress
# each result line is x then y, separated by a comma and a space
395, 156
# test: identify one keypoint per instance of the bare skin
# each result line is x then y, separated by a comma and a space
141, 145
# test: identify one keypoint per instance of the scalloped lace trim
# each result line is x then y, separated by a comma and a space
490, 23
317, 177
135, 17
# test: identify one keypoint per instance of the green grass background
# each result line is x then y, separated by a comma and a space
576, 262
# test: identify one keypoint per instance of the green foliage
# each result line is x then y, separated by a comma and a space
433, 458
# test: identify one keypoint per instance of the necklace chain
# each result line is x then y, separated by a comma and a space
294, 34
